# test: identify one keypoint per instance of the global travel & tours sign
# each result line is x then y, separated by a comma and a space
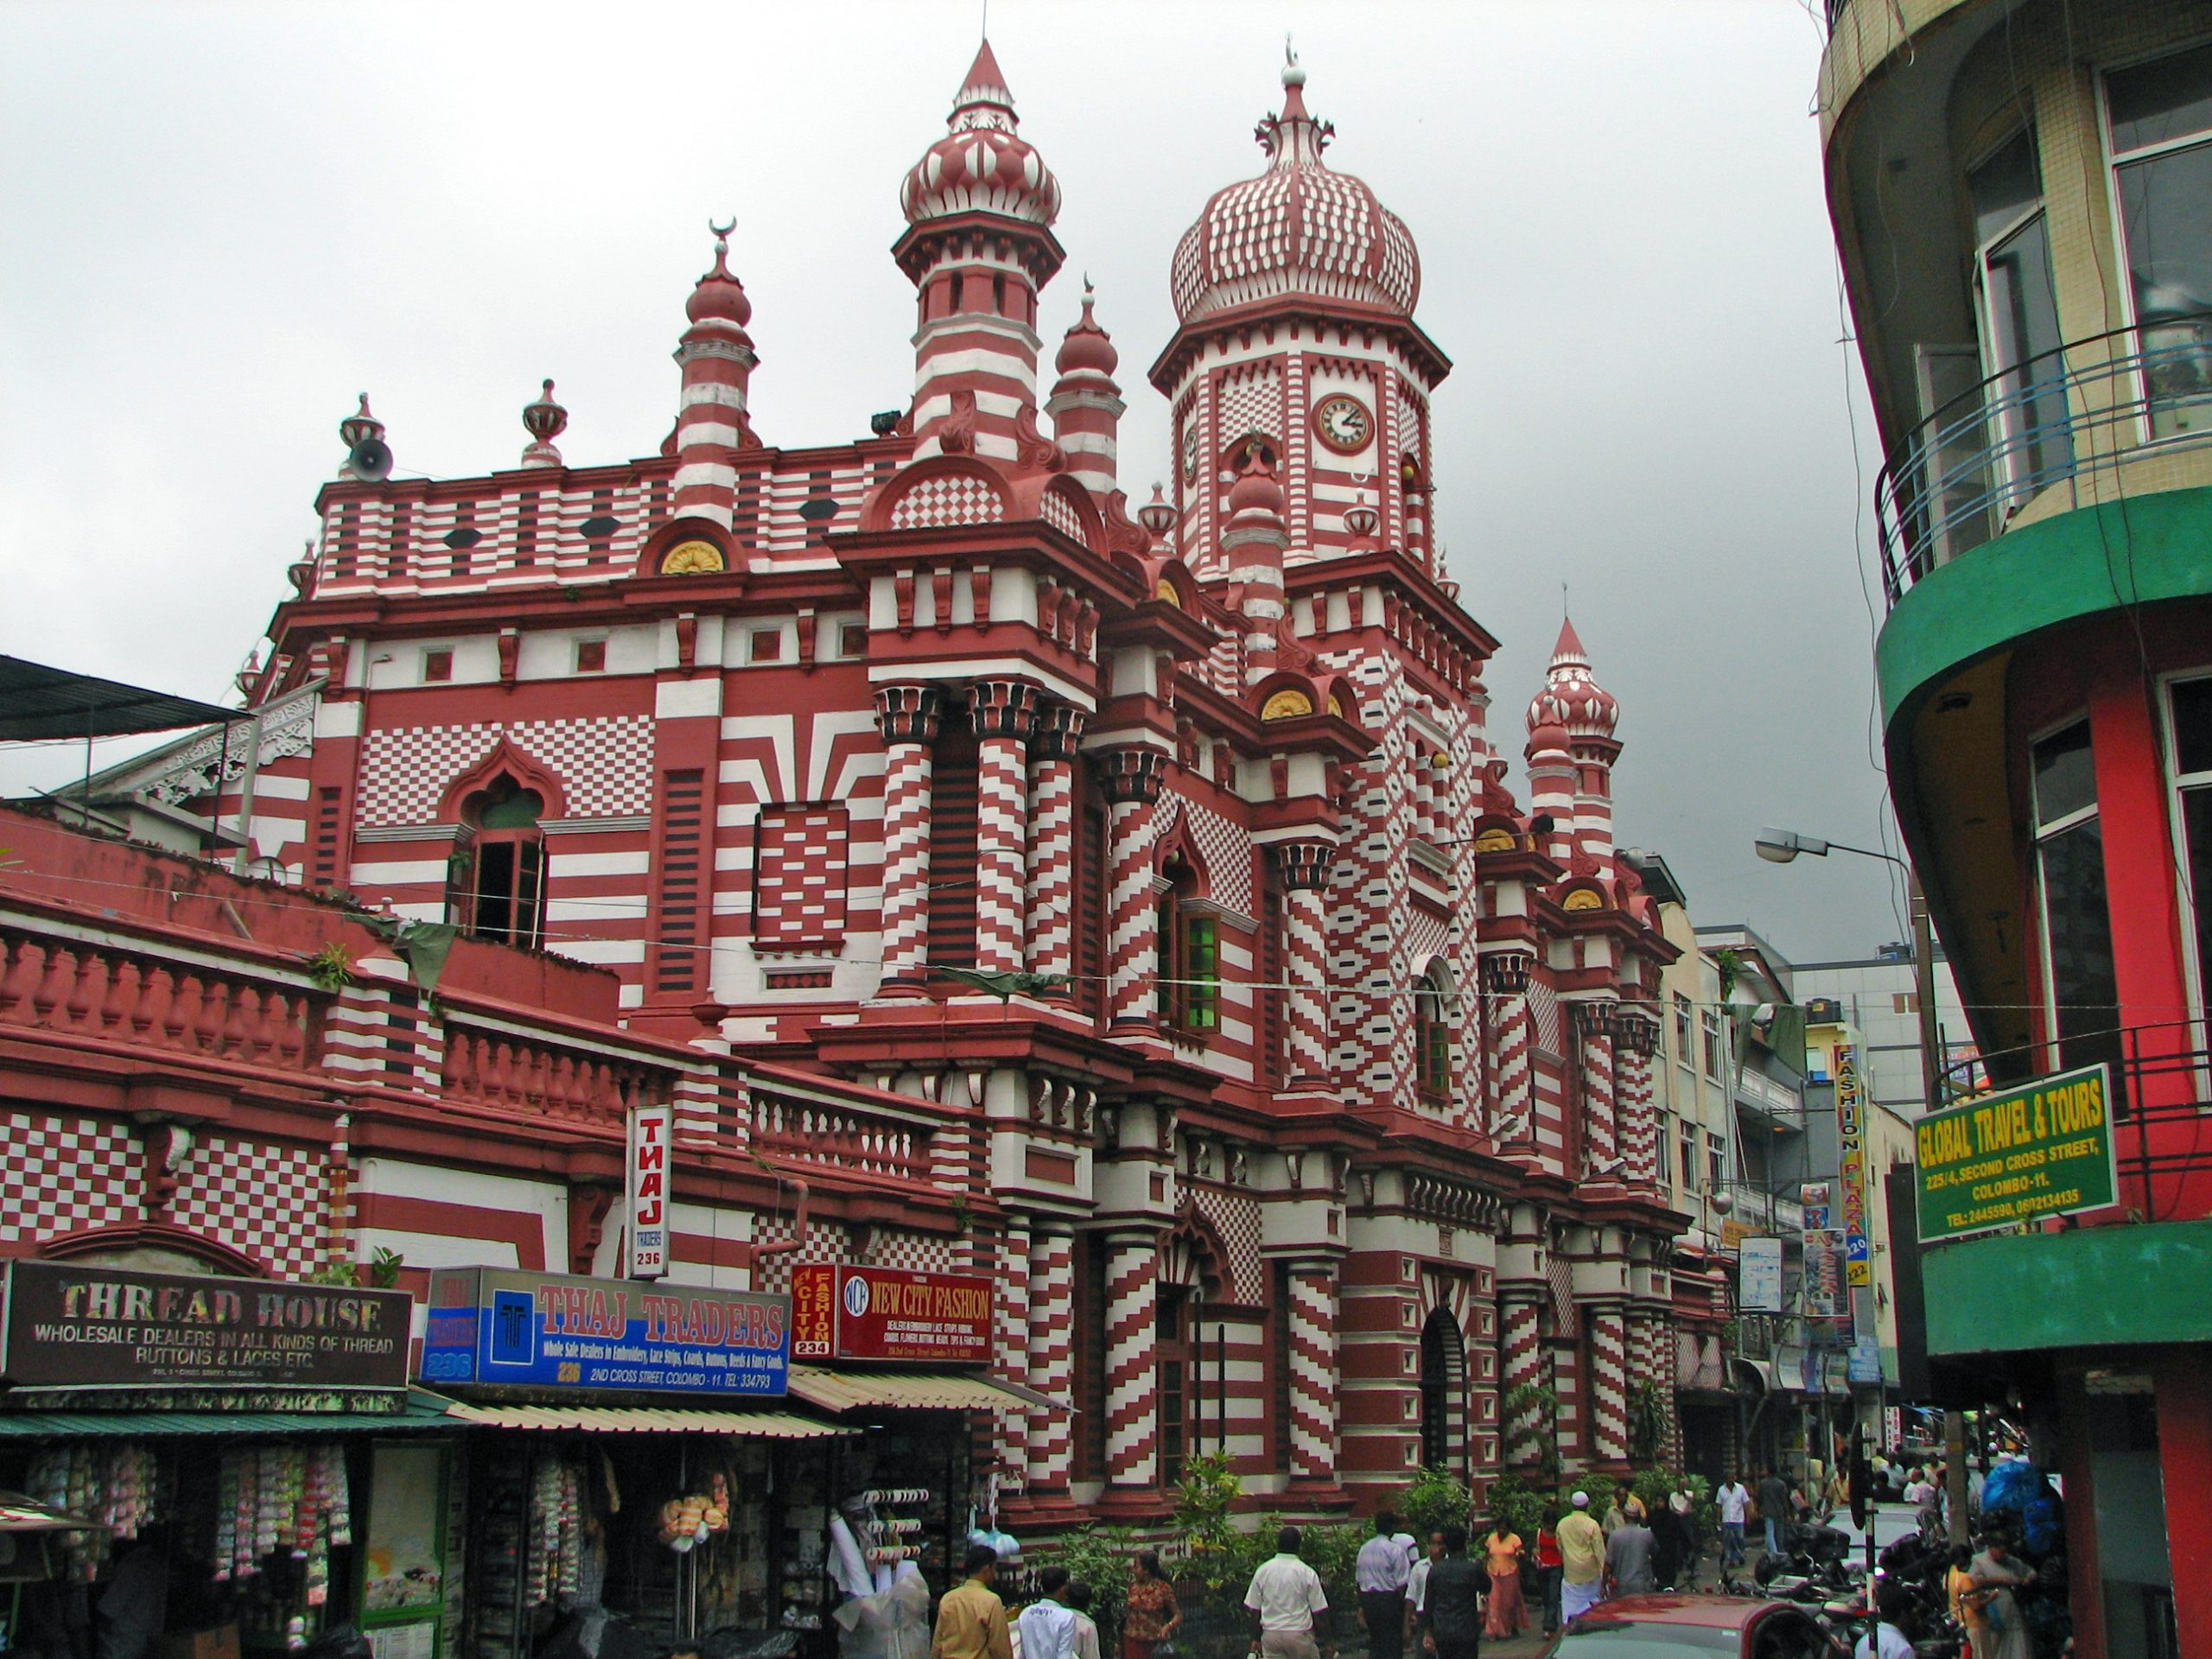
2042, 1149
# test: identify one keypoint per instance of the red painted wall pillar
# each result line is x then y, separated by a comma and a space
2085, 1592
2184, 1395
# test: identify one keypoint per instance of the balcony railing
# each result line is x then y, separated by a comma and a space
2161, 1106
1755, 1207
1755, 1088
1957, 479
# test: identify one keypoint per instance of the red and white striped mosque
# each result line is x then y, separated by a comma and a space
1127, 904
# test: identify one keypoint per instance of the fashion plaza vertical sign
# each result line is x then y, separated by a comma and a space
645, 1186
1850, 1168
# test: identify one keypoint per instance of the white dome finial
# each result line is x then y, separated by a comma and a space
1292, 76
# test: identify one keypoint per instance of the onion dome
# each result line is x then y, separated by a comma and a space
982, 165
1300, 227
359, 427
720, 297
1572, 704
1088, 348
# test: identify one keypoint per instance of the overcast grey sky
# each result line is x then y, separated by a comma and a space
220, 222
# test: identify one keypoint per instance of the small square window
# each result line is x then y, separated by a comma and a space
591, 655
852, 640
437, 666
767, 645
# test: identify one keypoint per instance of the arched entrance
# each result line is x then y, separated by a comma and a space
1443, 1394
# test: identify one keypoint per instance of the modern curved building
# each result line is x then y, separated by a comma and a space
2022, 195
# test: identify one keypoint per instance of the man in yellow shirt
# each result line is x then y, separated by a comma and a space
1582, 1556
971, 1619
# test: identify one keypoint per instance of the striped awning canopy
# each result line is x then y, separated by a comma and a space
911, 1391
648, 1419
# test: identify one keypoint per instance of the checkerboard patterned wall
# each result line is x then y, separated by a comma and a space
605, 765
63, 1174
800, 875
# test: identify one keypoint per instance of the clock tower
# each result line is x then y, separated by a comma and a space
1297, 349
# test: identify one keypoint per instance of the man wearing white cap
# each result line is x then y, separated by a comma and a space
1582, 1555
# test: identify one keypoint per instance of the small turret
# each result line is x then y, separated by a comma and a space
1086, 406
716, 358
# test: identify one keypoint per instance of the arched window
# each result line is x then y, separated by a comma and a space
1443, 1394
1433, 1036
497, 890
1190, 956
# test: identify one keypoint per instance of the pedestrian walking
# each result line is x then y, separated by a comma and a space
1548, 1567
1667, 1541
1452, 1601
1967, 1601
1774, 1510
1628, 1554
1077, 1600
1502, 1552
1150, 1613
1995, 1573
1047, 1625
971, 1619
1734, 1501
1284, 1595
1582, 1561
1380, 1572
1418, 1578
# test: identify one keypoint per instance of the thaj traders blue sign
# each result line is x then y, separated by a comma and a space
501, 1326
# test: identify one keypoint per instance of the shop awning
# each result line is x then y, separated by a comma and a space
422, 1411
649, 1420
911, 1391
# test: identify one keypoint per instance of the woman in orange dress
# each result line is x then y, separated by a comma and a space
1150, 1613
1507, 1613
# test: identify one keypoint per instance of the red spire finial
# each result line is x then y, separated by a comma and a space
984, 84
1087, 345
719, 295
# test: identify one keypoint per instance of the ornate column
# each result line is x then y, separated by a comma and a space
1051, 840
907, 715
1051, 1357
1011, 1334
1593, 1025
1521, 1365
1651, 1362
1131, 778
1132, 1362
1306, 953
1505, 988
1607, 1384
1639, 1123
1313, 1371
1004, 711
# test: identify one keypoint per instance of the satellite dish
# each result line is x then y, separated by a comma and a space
370, 460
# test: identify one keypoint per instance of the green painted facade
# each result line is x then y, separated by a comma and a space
2063, 569
2092, 1288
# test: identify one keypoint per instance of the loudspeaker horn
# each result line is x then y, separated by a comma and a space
370, 459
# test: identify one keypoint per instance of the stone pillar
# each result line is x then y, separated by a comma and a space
1306, 956
907, 715
1051, 1357
1640, 1136
1600, 1122
1131, 778
1651, 1362
1003, 711
1051, 840
1521, 1365
1132, 1362
1011, 1334
1607, 1382
1505, 984
1313, 1370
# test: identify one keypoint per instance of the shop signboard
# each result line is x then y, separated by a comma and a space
503, 1326
1817, 1201
72, 1327
1824, 1295
647, 1168
1866, 1359
1851, 1166
841, 1312
2019, 1155
1758, 1285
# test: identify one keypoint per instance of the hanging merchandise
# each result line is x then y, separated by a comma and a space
117, 1485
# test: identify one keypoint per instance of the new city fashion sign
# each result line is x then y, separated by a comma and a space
849, 1312
498, 1326
2044, 1149
646, 1166
68, 1327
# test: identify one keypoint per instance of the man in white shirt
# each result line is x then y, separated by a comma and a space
1734, 1500
1885, 1640
1382, 1571
1284, 1595
1417, 1581
1047, 1629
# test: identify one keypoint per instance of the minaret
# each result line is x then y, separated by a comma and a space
1574, 718
1086, 406
716, 358
1252, 545
978, 246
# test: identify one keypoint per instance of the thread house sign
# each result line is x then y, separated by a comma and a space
850, 1313
68, 1327
501, 1327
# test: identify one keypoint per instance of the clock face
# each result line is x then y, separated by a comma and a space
1342, 422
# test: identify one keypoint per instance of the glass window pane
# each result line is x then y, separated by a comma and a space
2197, 827
2192, 703
2077, 928
2035, 443
2065, 773
2166, 208
2154, 102
2005, 186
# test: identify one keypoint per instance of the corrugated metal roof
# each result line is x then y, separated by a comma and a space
910, 1391
649, 1420
422, 1411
